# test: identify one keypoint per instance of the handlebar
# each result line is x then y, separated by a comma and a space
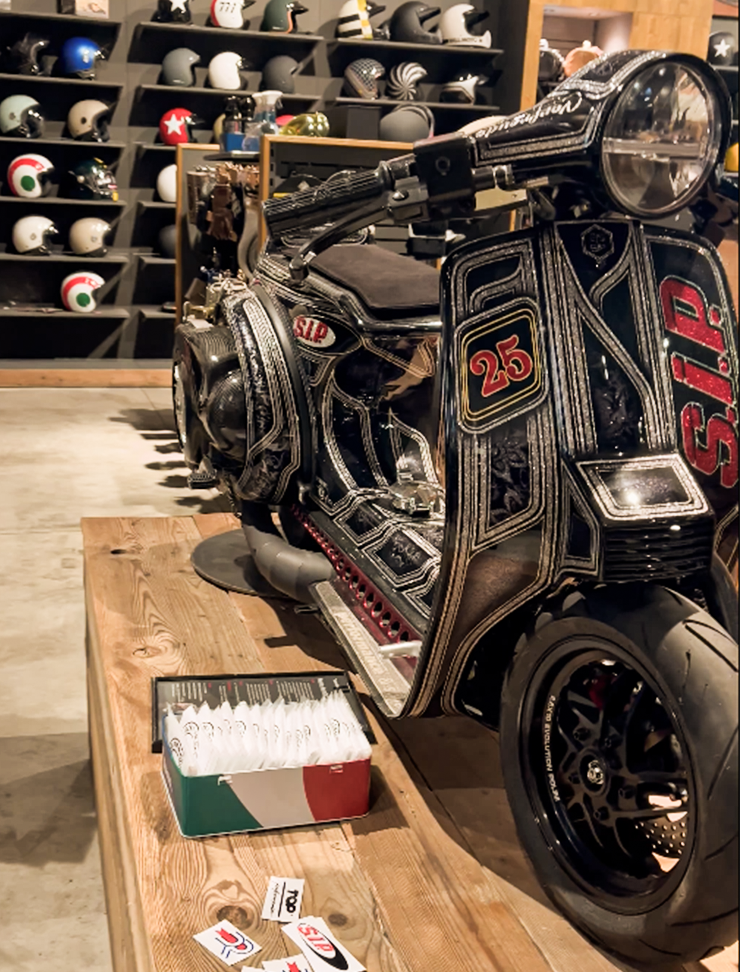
341, 194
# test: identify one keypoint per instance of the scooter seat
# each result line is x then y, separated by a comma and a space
386, 283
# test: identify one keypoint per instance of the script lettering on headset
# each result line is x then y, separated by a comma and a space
558, 105
709, 442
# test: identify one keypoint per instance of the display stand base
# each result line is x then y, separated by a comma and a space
225, 560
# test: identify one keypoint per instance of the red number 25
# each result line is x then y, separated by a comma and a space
514, 365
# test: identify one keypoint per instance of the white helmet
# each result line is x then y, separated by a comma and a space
455, 23
21, 115
87, 121
29, 175
78, 291
167, 183
229, 13
87, 236
223, 71
30, 234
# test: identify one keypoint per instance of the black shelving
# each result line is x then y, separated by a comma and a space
31, 144
43, 201
101, 312
65, 258
21, 80
151, 41
441, 61
435, 105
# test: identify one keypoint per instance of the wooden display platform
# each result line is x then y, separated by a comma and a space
432, 879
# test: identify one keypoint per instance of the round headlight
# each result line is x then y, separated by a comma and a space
661, 140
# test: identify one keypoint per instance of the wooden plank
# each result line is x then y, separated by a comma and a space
85, 378
154, 616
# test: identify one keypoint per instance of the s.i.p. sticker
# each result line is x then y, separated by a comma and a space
323, 951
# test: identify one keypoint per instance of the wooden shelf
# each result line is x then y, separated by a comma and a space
22, 80
65, 258
143, 147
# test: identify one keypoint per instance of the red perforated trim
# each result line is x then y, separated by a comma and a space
373, 604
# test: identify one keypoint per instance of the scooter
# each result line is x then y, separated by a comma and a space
510, 488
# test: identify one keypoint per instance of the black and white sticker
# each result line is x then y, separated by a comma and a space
320, 947
283, 899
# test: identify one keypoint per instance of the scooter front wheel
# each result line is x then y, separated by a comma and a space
619, 751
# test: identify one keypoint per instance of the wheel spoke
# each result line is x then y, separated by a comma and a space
649, 813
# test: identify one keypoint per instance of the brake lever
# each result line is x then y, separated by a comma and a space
404, 203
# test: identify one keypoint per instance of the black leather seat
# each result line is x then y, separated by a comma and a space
389, 285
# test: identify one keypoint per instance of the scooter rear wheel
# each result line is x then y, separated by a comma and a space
619, 751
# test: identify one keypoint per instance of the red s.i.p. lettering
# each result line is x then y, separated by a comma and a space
719, 448
691, 373
685, 313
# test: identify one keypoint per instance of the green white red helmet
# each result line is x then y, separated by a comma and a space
29, 175
78, 291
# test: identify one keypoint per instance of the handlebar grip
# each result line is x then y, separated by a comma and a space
329, 201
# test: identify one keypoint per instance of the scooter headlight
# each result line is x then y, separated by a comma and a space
661, 139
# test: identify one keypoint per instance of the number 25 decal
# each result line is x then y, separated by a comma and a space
517, 365
500, 363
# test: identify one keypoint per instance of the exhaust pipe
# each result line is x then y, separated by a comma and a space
289, 569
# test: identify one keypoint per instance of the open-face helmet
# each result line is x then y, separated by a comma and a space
354, 19
361, 77
87, 236
279, 74
78, 56
87, 120
462, 88
173, 12
407, 24
280, 16
403, 79
175, 126
79, 289
23, 56
20, 116
722, 47
456, 22
91, 179
224, 71
30, 175
579, 57
167, 183
31, 233
177, 67
229, 13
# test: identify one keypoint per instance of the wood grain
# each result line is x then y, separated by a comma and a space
85, 378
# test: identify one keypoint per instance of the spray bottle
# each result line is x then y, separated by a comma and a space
263, 123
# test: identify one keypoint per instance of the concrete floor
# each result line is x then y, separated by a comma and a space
64, 454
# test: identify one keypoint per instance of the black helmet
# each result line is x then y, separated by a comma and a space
23, 56
167, 240
91, 179
277, 74
722, 47
407, 24
177, 67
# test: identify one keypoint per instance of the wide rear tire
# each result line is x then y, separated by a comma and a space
619, 751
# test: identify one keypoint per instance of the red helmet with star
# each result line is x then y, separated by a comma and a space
175, 126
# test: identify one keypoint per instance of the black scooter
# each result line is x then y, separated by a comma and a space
511, 492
